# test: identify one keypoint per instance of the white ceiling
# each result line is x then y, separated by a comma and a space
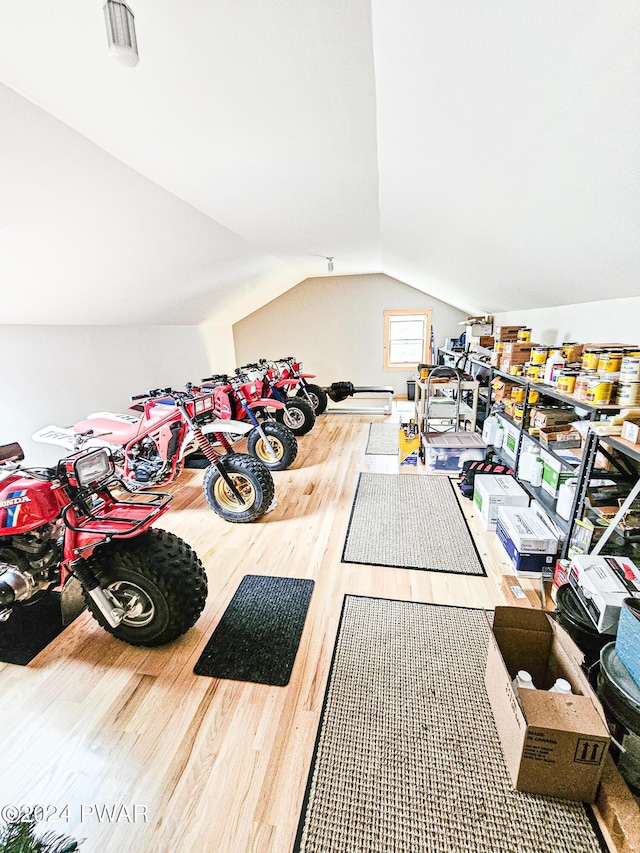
485, 152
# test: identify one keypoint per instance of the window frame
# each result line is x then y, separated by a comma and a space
389, 315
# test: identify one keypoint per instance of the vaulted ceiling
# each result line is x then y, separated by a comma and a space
484, 152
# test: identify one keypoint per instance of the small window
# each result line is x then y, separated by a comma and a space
407, 336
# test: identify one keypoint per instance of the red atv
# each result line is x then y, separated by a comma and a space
295, 412
78, 524
289, 368
150, 444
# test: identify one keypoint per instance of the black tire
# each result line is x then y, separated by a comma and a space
251, 478
317, 395
281, 439
161, 581
297, 415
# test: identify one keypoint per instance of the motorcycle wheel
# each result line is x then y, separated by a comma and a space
160, 582
252, 479
318, 397
281, 439
297, 415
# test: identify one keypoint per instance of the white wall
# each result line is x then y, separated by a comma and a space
335, 325
59, 374
608, 321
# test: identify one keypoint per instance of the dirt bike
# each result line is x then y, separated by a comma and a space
289, 368
63, 527
297, 414
149, 447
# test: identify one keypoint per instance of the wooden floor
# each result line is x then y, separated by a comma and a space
149, 757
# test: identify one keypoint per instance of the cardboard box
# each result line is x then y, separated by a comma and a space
509, 359
483, 341
448, 451
545, 418
555, 472
516, 596
518, 347
475, 330
501, 389
531, 546
601, 584
553, 744
560, 437
631, 431
491, 491
507, 333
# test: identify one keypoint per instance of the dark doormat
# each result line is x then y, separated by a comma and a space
196, 460
258, 636
30, 629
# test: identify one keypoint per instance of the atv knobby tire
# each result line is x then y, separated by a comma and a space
252, 479
281, 440
297, 415
158, 579
317, 395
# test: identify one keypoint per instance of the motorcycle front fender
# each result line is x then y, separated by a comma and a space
286, 383
307, 375
266, 403
233, 427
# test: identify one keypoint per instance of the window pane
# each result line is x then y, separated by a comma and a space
405, 351
406, 328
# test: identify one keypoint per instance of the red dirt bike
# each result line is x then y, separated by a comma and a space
149, 447
295, 412
289, 368
63, 527
271, 442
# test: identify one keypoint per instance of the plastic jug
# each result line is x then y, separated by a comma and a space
489, 429
499, 436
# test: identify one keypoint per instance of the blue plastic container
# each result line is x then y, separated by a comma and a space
628, 637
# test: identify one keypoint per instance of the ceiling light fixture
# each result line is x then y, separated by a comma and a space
330, 264
121, 32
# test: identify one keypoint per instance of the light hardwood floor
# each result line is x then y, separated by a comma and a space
211, 765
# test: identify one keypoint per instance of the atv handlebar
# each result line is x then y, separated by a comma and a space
153, 392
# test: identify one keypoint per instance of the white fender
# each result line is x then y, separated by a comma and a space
233, 427
66, 437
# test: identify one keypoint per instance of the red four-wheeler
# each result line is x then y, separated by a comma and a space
77, 524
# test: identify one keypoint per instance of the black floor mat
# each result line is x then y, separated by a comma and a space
258, 636
30, 629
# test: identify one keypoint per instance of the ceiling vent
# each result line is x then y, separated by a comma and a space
121, 32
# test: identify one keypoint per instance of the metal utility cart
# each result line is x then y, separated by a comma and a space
447, 401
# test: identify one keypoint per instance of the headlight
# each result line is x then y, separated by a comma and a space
93, 467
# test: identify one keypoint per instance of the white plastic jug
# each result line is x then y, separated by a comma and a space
489, 429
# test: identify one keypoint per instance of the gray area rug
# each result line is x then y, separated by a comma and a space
407, 758
410, 521
383, 439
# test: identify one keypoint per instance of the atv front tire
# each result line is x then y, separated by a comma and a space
281, 440
159, 581
251, 479
317, 395
297, 415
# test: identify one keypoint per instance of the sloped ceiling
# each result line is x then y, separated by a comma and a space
486, 153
